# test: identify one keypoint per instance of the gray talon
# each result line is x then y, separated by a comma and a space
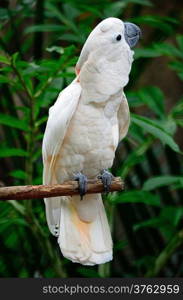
82, 182
106, 178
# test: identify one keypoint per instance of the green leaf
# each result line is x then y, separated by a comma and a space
13, 122
36, 154
15, 57
4, 14
71, 11
39, 137
41, 121
178, 67
153, 97
19, 207
114, 9
13, 221
179, 39
136, 134
177, 113
172, 214
165, 24
120, 245
38, 180
146, 52
159, 49
140, 2
153, 127
168, 49
61, 17
169, 125
168, 218
19, 174
154, 222
134, 158
9, 152
44, 28
158, 181
4, 59
136, 197
4, 79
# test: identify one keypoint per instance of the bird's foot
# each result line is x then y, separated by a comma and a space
106, 178
82, 183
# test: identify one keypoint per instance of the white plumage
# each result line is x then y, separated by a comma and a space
84, 127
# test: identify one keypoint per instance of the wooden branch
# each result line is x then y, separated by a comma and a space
68, 188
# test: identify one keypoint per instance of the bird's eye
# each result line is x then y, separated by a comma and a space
118, 38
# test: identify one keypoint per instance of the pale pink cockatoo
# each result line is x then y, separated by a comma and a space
84, 127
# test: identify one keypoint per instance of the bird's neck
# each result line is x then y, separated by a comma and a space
106, 76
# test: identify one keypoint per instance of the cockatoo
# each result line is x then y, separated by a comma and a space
84, 127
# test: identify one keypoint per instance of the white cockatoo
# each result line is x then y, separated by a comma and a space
84, 127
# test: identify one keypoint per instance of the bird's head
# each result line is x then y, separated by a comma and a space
111, 36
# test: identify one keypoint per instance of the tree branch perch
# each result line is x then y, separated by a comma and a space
68, 188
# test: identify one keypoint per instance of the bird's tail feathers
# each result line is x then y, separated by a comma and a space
84, 234
53, 211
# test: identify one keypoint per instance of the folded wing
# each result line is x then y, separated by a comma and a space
60, 115
123, 118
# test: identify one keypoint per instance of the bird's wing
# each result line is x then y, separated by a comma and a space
59, 118
123, 118
60, 115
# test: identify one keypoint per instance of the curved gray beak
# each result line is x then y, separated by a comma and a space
132, 34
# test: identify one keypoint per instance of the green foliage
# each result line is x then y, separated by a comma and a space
156, 182
7, 152
39, 46
153, 127
13, 122
136, 197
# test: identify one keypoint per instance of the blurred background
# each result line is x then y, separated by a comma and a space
39, 45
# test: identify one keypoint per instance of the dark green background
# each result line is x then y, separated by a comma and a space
39, 45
